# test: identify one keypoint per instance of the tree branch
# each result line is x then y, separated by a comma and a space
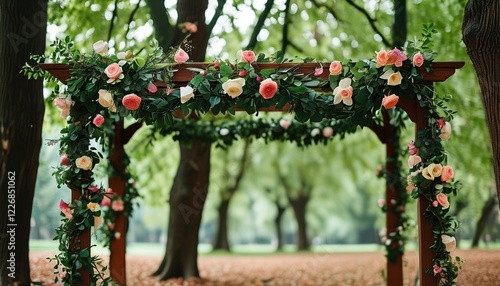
164, 31
328, 8
371, 21
285, 40
217, 14
112, 22
131, 18
241, 171
260, 23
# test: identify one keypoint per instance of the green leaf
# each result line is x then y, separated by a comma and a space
225, 71
214, 100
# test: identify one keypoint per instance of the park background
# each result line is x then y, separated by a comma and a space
343, 198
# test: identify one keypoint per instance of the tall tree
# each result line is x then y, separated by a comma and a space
480, 34
21, 115
227, 192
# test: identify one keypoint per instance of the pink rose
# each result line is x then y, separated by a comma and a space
64, 103
436, 269
412, 149
268, 88
259, 78
216, 65
418, 59
131, 101
181, 56
113, 71
328, 132
400, 57
63, 274
318, 71
248, 56
152, 88
117, 205
443, 200
445, 131
410, 188
66, 209
93, 189
414, 160
106, 199
98, 120
390, 101
335, 68
435, 204
447, 174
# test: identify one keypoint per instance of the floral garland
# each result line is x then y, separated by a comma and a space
105, 87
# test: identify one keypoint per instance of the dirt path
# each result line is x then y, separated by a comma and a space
481, 267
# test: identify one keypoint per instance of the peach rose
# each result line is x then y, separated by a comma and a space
447, 174
328, 132
113, 71
98, 120
248, 56
445, 132
100, 47
131, 101
418, 59
93, 206
117, 205
449, 241
335, 68
268, 88
390, 101
343, 92
234, 87
181, 56
191, 27
84, 163
186, 93
382, 57
284, 123
443, 200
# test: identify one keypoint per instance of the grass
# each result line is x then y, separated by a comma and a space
246, 249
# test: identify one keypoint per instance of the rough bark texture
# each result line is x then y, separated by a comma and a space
187, 198
23, 31
488, 209
480, 34
299, 205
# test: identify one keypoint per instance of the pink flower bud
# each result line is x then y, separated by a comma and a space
242, 73
435, 204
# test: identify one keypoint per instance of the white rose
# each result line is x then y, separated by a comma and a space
84, 163
413, 160
224, 131
186, 93
105, 98
234, 87
449, 241
121, 55
100, 47
315, 132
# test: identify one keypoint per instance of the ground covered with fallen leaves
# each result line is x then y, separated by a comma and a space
481, 267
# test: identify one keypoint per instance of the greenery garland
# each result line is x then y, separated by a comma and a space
105, 87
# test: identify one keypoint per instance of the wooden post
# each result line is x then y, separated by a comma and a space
80, 242
395, 267
118, 246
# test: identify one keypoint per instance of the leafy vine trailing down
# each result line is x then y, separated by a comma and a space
104, 88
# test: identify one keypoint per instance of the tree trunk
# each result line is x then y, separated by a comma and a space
480, 34
187, 198
221, 241
280, 210
488, 209
399, 29
299, 205
23, 32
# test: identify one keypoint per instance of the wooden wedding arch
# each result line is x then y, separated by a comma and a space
441, 71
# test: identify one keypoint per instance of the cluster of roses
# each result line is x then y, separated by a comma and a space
327, 131
234, 87
439, 175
